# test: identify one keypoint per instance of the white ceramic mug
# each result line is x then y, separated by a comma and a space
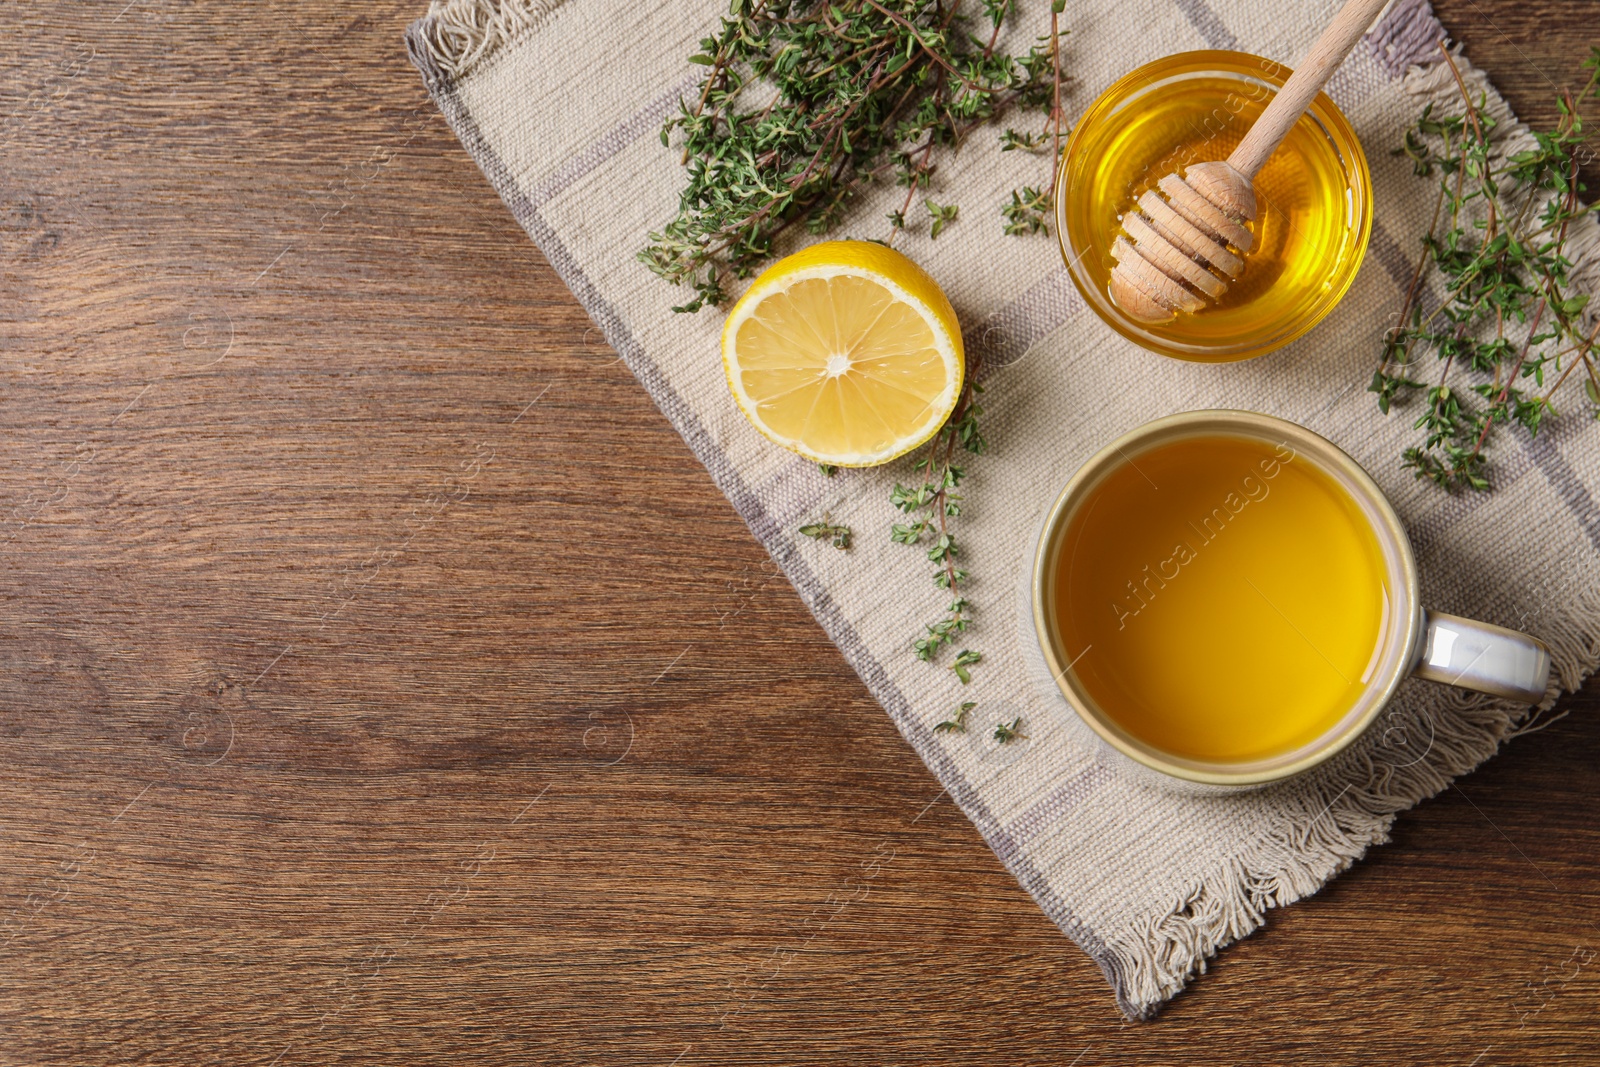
1427, 644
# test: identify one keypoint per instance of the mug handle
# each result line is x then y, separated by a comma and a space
1481, 657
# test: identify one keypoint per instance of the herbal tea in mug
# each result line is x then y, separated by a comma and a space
1233, 598
1228, 598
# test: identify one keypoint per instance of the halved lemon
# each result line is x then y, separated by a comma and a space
846, 352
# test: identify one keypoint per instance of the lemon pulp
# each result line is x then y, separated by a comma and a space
846, 353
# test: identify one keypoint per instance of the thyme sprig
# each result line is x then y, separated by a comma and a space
930, 505
957, 721
1508, 314
857, 92
838, 534
1026, 212
1005, 732
1029, 208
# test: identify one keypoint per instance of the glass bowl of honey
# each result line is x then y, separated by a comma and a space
1314, 200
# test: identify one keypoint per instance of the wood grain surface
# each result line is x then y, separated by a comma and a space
383, 681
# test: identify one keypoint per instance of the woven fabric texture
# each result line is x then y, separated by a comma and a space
1149, 882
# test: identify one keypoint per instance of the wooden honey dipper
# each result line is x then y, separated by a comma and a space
1172, 249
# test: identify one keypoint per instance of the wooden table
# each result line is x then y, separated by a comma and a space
384, 682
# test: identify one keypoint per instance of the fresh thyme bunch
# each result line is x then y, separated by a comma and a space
1508, 320
852, 93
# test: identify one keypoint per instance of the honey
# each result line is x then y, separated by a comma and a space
1222, 598
1313, 211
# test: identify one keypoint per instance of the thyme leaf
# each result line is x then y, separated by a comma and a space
942, 216
964, 659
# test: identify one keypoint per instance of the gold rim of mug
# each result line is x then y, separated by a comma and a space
1386, 523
